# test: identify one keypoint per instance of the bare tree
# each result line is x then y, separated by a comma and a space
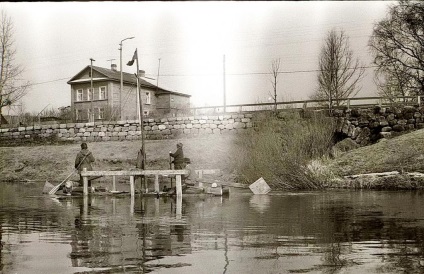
275, 67
339, 72
398, 47
12, 88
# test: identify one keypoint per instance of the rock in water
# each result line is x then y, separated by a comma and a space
260, 187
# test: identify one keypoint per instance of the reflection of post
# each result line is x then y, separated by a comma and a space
85, 183
132, 205
132, 194
85, 206
179, 206
114, 206
156, 207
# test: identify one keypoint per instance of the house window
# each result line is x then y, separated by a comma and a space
147, 98
100, 113
102, 93
79, 114
89, 114
79, 95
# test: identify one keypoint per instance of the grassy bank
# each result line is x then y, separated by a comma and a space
287, 152
281, 148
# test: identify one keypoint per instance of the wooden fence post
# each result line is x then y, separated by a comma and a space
157, 190
178, 185
132, 186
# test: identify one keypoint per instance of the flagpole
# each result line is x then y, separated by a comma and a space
141, 113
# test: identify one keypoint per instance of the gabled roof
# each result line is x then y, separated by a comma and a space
113, 75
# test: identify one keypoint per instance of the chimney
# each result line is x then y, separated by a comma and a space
113, 67
141, 73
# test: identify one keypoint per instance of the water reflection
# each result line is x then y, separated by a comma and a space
326, 232
260, 203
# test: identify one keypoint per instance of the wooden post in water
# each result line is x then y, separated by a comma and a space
132, 191
113, 183
179, 186
157, 190
85, 183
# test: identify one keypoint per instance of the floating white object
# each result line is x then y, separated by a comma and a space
260, 187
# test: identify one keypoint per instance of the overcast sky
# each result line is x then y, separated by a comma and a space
55, 41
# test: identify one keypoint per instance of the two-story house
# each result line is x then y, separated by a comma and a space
108, 102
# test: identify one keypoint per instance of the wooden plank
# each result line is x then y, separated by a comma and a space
208, 171
134, 172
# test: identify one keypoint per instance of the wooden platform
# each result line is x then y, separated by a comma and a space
132, 173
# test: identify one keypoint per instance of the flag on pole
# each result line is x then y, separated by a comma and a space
130, 63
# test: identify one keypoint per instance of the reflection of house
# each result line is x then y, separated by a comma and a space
107, 102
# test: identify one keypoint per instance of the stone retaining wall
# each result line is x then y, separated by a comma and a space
125, 130
366, 126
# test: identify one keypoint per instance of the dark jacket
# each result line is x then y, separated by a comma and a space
178, 156
84, 159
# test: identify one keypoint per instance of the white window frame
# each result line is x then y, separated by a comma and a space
148, 98
104, 93
89, 114
100, 113
79, 96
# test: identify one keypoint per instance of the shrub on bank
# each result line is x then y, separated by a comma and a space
280, 149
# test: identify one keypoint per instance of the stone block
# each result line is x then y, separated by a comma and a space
229, 126
162, 127
398, 128
385, 134
87, 134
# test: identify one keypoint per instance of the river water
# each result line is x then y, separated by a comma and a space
302, 232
